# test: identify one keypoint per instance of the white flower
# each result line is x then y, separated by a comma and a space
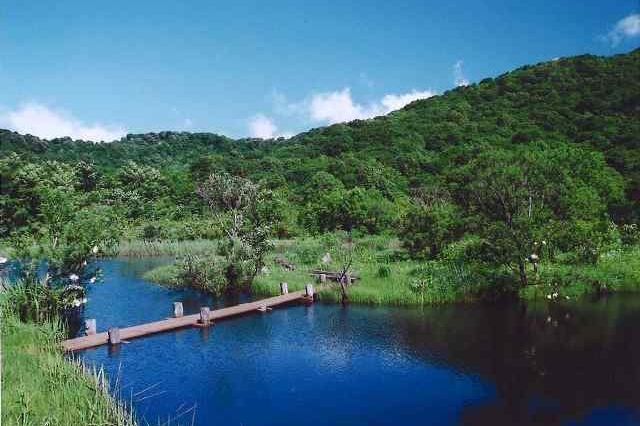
76, 303
84, 263
3, 260
92, 280
555, 295
544, 243
549, 296
535, 243
534, 257
94, 250
567, 297
74, 277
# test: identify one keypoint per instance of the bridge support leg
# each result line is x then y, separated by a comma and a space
114, 336
205, 316
90, 326
177, 309
284, 288
308, 290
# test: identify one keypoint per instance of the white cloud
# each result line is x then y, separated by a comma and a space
627, 27
394, 102
335, 107
261, 126
42, 121
339, 106
458, 76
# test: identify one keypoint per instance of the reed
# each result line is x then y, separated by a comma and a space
617, 271
39, 386
139, 248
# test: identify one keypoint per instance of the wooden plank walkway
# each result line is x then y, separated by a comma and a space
98, 339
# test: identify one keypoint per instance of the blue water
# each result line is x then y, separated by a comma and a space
570, 364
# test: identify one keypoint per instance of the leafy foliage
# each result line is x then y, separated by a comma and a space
546, 152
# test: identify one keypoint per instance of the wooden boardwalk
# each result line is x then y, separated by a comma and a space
98, 339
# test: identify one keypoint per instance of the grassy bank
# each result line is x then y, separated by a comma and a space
41, 387
618, 271
388, 277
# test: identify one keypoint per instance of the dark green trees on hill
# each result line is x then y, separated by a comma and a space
549, 152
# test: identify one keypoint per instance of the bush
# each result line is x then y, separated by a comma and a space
428, 228
34, 301
203, 273
441, 281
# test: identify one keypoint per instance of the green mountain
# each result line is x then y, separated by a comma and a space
587, 100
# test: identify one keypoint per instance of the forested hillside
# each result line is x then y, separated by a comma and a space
373, 166
588, 100
479, 186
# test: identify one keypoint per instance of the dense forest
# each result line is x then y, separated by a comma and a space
547, 154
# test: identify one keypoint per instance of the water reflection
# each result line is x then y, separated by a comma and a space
551, 364
516, 364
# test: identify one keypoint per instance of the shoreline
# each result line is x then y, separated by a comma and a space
392, 282
42, 386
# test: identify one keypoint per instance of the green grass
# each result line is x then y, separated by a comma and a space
385, 278
618, 271
371, 289
388, 278
139, 248
165, 275
41, 387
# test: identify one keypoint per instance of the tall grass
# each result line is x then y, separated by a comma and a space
40, 387
166, 275
617, 271
386, 278
139, 248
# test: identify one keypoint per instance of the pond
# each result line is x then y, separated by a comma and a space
574, 363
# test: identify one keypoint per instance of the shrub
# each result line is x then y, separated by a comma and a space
203, 273
34, 301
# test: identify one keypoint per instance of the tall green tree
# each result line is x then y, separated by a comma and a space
554, 192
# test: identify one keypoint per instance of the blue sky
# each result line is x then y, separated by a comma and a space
97, 70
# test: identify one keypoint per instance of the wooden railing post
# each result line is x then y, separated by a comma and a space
90, 326
177, 309
308, 289
323, 278
204, 315
284, 288
114, 336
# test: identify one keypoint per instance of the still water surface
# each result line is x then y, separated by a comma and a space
571, 364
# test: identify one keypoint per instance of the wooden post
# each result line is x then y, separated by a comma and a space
204, 315
114, 336
284, 288
323, 278
177, 309
347, 279
90, 326
309, 290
